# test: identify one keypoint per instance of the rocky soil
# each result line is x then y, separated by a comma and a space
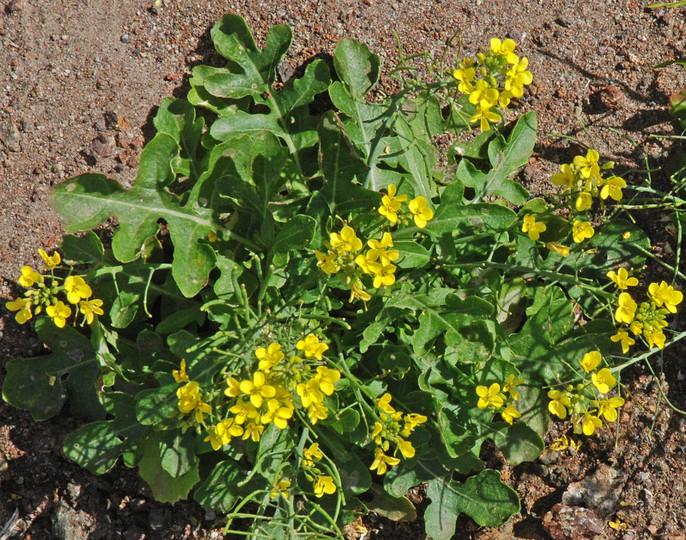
79, 83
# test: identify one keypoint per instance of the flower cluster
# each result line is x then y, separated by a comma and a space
267, 395
647, 318
584, 178
503, 401
392, 427
346, 256
392, 204
322, 484
492, 80
43, 295
585, 413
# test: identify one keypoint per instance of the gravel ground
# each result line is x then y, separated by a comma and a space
79, 83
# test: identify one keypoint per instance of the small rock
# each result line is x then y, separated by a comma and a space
9, 135
125, 38
69, 523
549, 457
572, 523
103, 146
600, 491
14, 7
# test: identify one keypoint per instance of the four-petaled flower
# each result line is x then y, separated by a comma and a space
582, 230
559, 403
626, 308
510, 384
29, 276
323, 485
623, 337
382, 461
312, 347
257, 389
612, 187
91, 308
312, 454
489, 396
346, 240
621, 278
23, 308
665, 294
421, 212
590, 423
77, 289
510, 414
51, 261
59, 313
269, 357
591, 360
390, 204
608, 407
532, 227
603, 380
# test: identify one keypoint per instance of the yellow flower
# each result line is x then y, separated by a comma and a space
190, 400
323, 485
77, 289
382, 461
269, 357
253, 431
603, 380
510, 414
412, 420
583, 201
510, 384
665, 294
257, 388
504, 48
50, 261
485, 116
612, 187
346, 240
384, 275
565, 442
277, 414
222, 433
465, 76
559, 403
564, 178
280, 488
626, 308
244, 410
590, 423
328, 262
312, 347
327, 378
310, 392
29, 276
489, 396
558, 248
59, 313
588, 166
483, 95
23, 308
91, 308
379, 250
655, 339
590, 361
582, 230
312, 454
180, 374
406, 448
623, 337
518, 76
616, 525
390, 204
621, 278
608, 407
421, 212
317, 411
532, 227
384, 403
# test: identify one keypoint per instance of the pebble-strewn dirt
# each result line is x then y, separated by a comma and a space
79, 82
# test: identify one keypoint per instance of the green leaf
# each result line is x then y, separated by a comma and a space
156, 406
412, 254
165, 487
506, 157
87, 200
520, 443
177, 452
393, 508
451, 218
220, 488
98, 445
43, 384
484, 498
83, 249
356, 66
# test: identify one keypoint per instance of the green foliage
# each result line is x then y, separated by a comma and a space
250, 344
